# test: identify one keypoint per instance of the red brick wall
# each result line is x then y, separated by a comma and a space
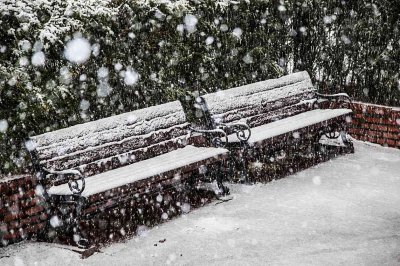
376, 124
22, 209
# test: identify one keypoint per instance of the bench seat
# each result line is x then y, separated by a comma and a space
146, 169
291, 124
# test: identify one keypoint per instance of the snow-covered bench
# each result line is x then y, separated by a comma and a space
269, 120
117, 165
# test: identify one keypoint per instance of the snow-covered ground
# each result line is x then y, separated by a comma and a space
345, 211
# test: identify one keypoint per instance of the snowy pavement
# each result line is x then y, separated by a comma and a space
342, 212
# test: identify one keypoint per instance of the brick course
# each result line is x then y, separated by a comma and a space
22, 211
377, 124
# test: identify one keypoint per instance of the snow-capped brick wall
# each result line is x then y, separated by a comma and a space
377, 124
22, 210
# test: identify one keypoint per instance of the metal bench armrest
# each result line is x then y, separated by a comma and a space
241, 129
339, 100
218, 137
73, 177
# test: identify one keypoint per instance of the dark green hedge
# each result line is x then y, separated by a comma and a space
350, 46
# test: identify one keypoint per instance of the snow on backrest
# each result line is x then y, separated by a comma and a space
114, 141
261, 97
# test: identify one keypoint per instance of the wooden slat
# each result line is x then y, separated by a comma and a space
261, 98
265, 114
277, 114
120, 151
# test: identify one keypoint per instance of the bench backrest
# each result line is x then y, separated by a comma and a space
109, 143
262, 102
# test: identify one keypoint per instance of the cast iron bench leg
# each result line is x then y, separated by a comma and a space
220, 178
245, 163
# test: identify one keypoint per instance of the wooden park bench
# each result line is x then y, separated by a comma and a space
275, 127
105, 178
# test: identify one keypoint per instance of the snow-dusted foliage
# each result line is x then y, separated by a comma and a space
51, 19
53, 55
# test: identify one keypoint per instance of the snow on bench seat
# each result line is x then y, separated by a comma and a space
291, 124
142, 170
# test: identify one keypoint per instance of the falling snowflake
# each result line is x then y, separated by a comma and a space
102, 73
30, 145
55, 221
78, 50
237, 32
190, 22
248, 59
3, 126
38, 59
131, 77
23, 61
185, 207
84, 105
316, 180
209, 40
327, 19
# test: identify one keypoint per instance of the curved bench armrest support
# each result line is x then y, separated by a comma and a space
339, 100
242, 130
73, 176
218, 137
